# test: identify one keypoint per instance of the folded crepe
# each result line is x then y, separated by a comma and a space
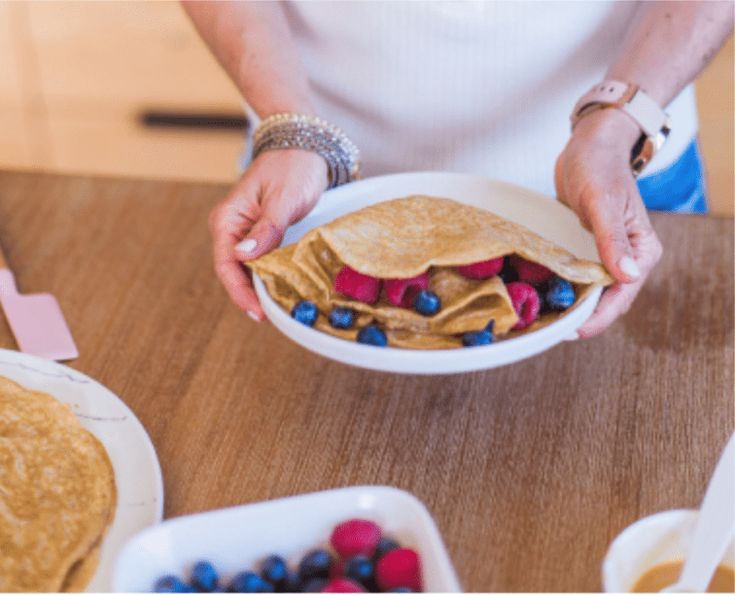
403, 238
57, 494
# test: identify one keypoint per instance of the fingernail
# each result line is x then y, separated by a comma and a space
253, 316
629, 267
572, 337
246, 245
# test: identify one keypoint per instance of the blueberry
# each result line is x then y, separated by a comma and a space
314, 585
342, 318
560, 294
477, 338
385, 545
171, 584
359, 569
203, 576
292, 584
372, 335
249, 582
427, 303
315, 564
490, 328
274, 570
305, 312
508, 273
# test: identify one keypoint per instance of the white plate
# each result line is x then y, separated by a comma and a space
236, 539
137, 472
539, 213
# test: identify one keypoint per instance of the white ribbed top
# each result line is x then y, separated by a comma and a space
478, 87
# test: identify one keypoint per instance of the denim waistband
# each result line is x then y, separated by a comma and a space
680, 187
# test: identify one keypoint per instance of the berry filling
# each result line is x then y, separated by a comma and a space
482, 270
401, 292
355, 285
526, 303
530, 272
427, 303
560, 294
533, 289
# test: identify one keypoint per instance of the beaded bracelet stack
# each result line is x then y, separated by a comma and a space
300, 131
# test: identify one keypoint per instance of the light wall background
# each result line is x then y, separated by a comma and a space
79, 74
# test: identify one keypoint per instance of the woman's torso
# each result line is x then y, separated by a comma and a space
479, 87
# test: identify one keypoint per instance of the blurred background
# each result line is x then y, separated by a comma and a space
128, 89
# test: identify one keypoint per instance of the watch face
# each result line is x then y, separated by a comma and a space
641, 153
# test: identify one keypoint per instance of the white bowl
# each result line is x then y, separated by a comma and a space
539, 213
650, 541
236, 539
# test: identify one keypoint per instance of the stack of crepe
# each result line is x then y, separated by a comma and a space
403, 238
57, 494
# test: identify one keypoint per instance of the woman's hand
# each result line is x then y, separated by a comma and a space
593, 177
278, 189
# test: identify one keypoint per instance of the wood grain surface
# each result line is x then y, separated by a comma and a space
529, 470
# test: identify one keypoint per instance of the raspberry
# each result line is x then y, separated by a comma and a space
525, 301
353, 284
399, 568
342, 585
530, 272
356, 536
482, 270
401, 292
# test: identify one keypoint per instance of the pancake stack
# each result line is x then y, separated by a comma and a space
57, 494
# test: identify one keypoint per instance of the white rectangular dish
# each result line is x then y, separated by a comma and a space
236, 539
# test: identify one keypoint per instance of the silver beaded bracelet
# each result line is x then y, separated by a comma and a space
300, 131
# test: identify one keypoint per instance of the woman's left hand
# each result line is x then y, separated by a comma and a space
594, 178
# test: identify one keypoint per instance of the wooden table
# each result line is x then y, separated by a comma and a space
529, 470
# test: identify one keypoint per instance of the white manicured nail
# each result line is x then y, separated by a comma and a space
629, 267
246, 245
253, 316
572, 337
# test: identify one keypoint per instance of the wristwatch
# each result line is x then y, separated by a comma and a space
653, 121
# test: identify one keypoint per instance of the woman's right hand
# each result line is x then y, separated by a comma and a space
278, 189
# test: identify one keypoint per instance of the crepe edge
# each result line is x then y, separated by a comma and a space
592, 273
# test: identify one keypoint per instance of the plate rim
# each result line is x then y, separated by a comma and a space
35, 364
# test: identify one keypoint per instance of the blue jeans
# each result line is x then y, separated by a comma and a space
680, 187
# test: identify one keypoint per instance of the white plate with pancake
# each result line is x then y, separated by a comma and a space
134, 461
541, 214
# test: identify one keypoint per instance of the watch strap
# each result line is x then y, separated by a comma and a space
628, 97
653, 121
